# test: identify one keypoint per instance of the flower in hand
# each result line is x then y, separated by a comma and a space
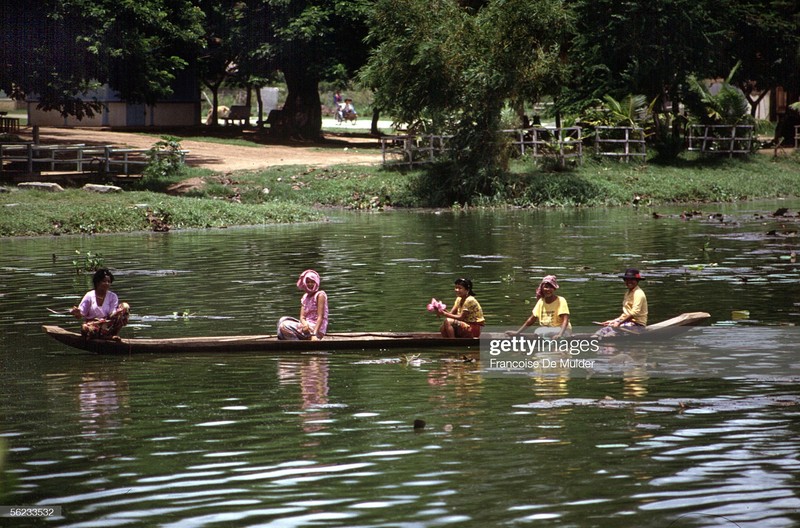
436, 306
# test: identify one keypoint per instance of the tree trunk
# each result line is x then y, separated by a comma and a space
260, 103
302, 109
376, 114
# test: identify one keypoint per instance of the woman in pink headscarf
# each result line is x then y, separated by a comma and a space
313, 322
551, 311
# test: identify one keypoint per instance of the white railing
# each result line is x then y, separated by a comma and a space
32, 159
721, 139
561, 144
412, 149
622, 143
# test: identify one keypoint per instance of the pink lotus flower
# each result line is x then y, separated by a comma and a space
436, 306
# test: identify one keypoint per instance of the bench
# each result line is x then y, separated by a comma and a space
238, 113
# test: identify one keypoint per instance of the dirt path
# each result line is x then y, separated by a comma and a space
225, 158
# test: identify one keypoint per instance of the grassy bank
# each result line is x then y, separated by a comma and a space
595, 183
292, 194
32, 212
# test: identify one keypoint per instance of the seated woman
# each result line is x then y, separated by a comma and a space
466, 319
551, 311
634, 307
102, 313
313, 322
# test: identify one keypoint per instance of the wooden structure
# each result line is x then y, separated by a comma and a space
9, 125
238, 113
560, 144
259, 343
720, 139
411, 149
374, 341
797, 136
26, 159
623, 143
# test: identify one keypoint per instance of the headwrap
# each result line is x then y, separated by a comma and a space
549, 279
309, 274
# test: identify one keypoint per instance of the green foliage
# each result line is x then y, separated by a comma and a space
137, 47
631, 111
728, 106
455, 67
87, 262
165, 163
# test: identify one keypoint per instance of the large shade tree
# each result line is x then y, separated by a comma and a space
60, 49
765, 40
306, 41
648, 48
454, 65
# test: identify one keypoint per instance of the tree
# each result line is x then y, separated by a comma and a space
60, 49
222, 49
647, 48
306, 41
454, 66
765, 39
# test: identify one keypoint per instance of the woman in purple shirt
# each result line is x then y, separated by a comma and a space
102, 314
313, 322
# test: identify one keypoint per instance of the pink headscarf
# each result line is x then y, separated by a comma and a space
549, 279
315, 279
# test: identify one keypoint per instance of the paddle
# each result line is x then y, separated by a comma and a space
59, 312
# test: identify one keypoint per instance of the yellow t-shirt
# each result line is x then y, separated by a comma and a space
549, 314
472, 307
635, 304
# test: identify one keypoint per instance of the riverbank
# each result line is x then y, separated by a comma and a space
298, 193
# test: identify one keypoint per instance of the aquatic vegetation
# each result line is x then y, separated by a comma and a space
87, 262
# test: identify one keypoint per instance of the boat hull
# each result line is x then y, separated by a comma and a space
343, 341
257, 343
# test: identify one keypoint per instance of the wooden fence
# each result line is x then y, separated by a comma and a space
561, 144
411, 149
29, 159
622, 143
797, 136
721, 139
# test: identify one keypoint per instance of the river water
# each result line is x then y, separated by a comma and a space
248, 439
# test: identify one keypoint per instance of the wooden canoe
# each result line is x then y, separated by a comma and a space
257, 343
664, 329
341, 341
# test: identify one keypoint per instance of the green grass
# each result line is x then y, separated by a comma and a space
295, 193
75, 211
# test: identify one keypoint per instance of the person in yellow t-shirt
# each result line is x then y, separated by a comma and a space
551, 311
634, 306
466, 318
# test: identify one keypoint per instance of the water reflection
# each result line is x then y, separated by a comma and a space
246, 439
103, 402
311, 376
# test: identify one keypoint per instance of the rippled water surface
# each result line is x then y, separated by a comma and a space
250, 439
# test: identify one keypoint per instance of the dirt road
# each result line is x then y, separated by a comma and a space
225, 158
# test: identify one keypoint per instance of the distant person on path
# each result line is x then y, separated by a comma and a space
466, 318
313, 322
349, 109
100, 309
634, 307
551, 311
